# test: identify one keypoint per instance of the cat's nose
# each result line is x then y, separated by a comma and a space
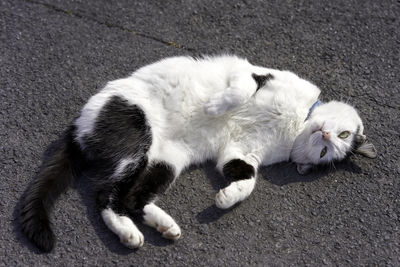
325, 135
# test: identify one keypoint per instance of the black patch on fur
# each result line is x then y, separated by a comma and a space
137, 189
112, 196
55, 176
261, 80
238, 169
153, 181
121, 130
358, 139
103, 198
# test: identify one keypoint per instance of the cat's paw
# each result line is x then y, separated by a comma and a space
215, 105
129, 235
132, 239
172, 232
234, 193
159, 219
226, 198
123, 226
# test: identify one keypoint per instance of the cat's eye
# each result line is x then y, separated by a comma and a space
323, 152
344, 135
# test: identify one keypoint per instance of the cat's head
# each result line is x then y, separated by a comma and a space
332, 131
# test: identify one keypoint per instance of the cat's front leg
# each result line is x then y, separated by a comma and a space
234, 193
243, 177
241, 87
223, 101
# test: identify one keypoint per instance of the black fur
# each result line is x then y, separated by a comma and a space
120, 131
238, 169
113, 195
358, 139
261, 80
137, 189
154, 181
54, 177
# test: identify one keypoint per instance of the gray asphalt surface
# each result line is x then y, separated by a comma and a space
55, 54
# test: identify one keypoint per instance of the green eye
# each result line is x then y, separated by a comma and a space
323, 152
344, 134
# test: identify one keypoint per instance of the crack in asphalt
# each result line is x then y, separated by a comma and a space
111, 25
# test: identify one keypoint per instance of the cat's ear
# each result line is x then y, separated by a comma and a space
363, 147
304, 168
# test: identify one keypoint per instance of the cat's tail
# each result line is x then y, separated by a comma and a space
55, 177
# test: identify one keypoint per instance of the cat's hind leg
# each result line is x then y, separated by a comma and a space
116, 146
153, 182
116, 220
243, 176
160, 220
123, 227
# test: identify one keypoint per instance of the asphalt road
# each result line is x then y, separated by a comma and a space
55, 54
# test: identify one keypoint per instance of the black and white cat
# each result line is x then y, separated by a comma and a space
139, 133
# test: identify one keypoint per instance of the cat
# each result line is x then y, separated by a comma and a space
137, 134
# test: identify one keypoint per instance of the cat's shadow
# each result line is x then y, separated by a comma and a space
280, 174
213, 213
285, 173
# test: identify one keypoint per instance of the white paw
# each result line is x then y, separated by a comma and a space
123, 226
159, 219
234, 193
130, 235
215, 106
172, 232
226, 198
132, 239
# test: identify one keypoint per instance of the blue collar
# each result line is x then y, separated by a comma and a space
316, 104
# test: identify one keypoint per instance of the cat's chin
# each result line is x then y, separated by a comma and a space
298, 153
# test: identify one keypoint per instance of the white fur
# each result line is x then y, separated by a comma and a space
159, 219
121, 167
200, 109
124, 228
175, 92
234, 193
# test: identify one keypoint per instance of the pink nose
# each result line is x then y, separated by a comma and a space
325, 135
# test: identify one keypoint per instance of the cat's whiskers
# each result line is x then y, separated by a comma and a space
332, 164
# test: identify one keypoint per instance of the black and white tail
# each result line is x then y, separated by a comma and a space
54, 177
